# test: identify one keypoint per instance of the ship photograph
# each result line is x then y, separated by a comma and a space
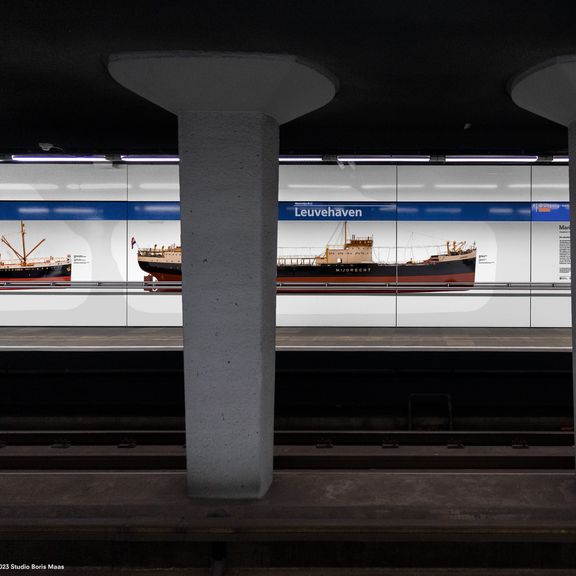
161, 263
349, 267
20, 267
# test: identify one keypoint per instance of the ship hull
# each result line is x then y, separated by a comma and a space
50, 273
161, 272
369, 277
351, 278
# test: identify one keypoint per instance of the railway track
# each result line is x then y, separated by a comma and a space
307, 450
386, 438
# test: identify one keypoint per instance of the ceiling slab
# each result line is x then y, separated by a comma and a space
412, 74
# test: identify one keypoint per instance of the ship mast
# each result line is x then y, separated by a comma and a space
23, 231
345, 233
24, 256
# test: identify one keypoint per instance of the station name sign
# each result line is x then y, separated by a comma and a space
297, 211
329, 212
336, 211
419, 211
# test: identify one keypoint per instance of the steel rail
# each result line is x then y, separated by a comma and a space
173, 457
307, 450
318, 438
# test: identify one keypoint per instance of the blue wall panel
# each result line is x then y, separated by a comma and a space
299, 211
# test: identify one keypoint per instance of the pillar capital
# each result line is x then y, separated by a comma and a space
229, 106
548, 89
278, 85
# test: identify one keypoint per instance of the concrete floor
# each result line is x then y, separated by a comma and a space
303, 571
296, 339
301, 505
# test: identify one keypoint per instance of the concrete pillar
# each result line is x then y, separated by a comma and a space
228, 161
549, 90
572, 196
229, 107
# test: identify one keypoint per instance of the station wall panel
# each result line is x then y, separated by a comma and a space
464, 204
550, 184
153, 221
517, 216
464, 183
550, 248
49, 182
97, 251
334, 183
309, 239
503, 255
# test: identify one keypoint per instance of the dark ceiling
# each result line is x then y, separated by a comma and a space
412, 73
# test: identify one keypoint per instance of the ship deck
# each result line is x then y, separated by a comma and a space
296, 339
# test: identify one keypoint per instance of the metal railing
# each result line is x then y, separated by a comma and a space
483, 289
390, 288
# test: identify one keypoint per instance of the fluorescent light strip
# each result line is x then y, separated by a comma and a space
297, 159
132, 158
491, 159
60, 159
383, 159
300, 159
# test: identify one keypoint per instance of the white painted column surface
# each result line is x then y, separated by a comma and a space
229, 107
549, 90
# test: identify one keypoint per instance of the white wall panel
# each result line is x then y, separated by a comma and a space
148, 309
551, 264
98, 251
101, 249
471, 311
310, 239
463, 183
105, 182
503, 256
550, 183
551, 311
337, 183
335, 310
153, 182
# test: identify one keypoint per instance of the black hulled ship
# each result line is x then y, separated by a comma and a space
351, 268
346, 268
27, 269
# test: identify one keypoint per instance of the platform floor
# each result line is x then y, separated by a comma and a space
301, 505
297, 339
